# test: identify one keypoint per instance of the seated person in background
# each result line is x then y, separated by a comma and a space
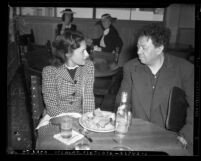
110, 40
149, 79
67, 18
67, 85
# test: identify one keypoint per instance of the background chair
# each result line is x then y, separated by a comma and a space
107, 79
109, 98
35, 103
106, 89
32, 80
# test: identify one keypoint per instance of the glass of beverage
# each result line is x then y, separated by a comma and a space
121, 129
66, 127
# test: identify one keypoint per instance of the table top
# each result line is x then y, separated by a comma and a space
107, 55
105, 64
142, 136
107, 73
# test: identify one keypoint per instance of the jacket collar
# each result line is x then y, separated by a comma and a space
166, 64
63, 72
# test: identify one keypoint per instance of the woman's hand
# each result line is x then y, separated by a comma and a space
89, 41
96, 48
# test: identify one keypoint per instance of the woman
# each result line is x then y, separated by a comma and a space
67, 85
110, 40
67, 18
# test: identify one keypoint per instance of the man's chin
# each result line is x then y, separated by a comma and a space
141, 60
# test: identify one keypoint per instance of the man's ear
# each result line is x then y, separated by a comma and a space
160, 49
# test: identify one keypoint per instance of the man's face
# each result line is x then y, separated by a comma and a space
147, 52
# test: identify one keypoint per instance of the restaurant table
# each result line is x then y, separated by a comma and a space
105, 65
142, 136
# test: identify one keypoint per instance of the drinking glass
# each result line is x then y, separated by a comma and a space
66, 127
83, 145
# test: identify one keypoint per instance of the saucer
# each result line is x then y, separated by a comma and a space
68, 141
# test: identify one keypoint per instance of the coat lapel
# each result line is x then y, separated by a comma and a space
163, 82
78, 74
143, 88
63, 72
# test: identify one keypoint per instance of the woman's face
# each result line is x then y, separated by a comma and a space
106, 23
67, 18
78, 56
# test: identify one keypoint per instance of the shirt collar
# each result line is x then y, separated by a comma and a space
68, 26
106, 31
71, 67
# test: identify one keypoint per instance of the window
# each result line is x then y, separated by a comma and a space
142, 14
119, 13
147, 14
18, 11
37, 11
79, 12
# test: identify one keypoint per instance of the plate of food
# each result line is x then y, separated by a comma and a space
98, 121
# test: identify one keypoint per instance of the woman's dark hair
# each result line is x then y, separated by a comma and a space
67, 43
159, 34
63, 17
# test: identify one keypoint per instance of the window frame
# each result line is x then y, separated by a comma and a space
94, 14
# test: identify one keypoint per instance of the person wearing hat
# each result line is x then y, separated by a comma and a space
67, 18
110, 40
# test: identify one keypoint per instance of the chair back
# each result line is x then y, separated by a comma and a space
35, 98
108, 102
36, 101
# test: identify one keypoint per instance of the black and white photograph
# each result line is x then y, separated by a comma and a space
103, 80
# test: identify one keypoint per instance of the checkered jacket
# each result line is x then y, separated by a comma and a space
62, 94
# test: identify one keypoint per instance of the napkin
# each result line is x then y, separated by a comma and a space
46, 119
75, 137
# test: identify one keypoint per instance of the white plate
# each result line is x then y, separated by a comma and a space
107, 128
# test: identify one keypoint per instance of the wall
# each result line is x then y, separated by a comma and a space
13, 61
44, 29
180, 18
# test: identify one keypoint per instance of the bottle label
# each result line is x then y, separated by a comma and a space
121, 125
124, 97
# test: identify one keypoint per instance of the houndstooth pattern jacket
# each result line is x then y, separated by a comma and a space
62, 94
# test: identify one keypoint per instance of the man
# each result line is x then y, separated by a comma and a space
149, 79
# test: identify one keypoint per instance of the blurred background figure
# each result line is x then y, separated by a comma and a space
109, 41
67, 19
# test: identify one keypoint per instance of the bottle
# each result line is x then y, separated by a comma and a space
123, 117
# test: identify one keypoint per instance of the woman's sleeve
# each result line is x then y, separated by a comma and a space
113, 41
49, 90
89, 101
74, 27
96, 41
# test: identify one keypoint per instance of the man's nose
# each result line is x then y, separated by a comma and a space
139, 50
